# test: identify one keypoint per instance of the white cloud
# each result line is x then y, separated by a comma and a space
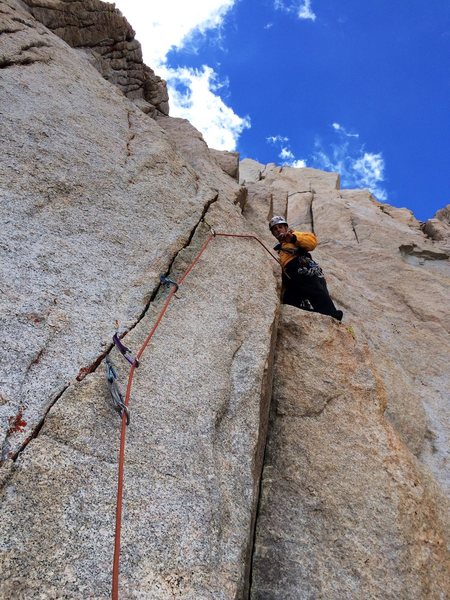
341, 129
302, 8
285, 153
298, 164
193, 94
172, 24
274, 139
193, 97
358, 168
369, 169
305, 11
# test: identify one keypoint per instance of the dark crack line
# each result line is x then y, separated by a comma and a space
270, 215
303, 192
10, 30
311, 213
27, 60
94, 365
169, 268
385, 210
354, 229
35, 432
19, 60
131, 136
249, 582
266, 426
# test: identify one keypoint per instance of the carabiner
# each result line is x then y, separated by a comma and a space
114, 389
126, 352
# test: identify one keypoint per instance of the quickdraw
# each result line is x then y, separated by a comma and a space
126, 352
134, 363
114, 390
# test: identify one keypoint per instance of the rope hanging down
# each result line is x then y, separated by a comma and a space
134, 361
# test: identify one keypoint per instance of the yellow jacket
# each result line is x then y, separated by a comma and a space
303, 239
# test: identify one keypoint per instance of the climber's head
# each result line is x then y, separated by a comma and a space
278, 226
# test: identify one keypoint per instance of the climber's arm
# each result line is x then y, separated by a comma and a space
304, 239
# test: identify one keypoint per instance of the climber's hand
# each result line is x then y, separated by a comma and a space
287, 237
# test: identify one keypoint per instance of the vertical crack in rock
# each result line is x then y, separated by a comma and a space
260, 455
352, 221
249, 567
311, 212
84, 371
33, 434
270, 215
131, 136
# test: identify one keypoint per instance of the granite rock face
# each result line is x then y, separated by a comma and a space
99, 29
392, 282
346, 511
228, 161
438, 228
194, 450
98, 200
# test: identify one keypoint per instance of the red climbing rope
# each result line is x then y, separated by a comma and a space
240, 235
115, 573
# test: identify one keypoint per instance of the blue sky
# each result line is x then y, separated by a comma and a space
361, 87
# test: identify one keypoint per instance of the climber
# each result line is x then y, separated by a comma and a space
303, 280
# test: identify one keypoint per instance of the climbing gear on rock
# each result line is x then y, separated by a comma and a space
166, 282
307, 266
114, 389
126, 352
210, 227
277, 221
246, 236
134, 364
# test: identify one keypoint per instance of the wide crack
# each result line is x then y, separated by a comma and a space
266, 416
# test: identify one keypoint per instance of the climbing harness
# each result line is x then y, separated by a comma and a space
307, 266
114, 390
126, 352
134, 361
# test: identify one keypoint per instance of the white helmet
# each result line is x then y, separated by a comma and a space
277, 221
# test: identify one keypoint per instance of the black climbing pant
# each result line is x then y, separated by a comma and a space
300, 288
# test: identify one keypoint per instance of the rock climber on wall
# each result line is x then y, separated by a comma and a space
303, 280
